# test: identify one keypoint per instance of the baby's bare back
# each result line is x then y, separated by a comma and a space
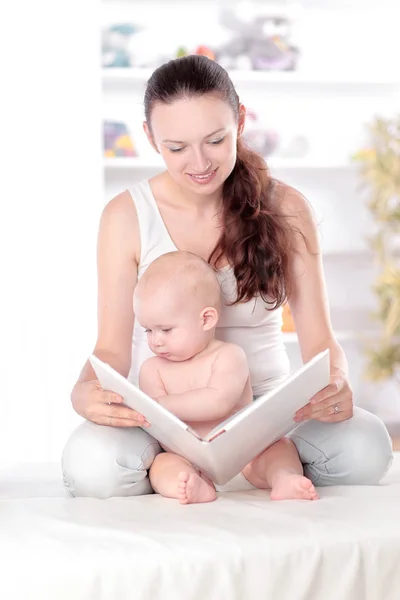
195, 374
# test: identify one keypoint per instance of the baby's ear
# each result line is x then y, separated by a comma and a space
209, 318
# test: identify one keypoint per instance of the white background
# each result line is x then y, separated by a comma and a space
51, 197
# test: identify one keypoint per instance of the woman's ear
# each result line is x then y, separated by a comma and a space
209, 318
149, 135
242, 119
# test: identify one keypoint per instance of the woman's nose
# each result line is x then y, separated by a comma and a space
200, 162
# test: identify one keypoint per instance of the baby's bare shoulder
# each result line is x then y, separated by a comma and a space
150, 366
231, 353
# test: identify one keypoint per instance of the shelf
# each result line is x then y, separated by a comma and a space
341, 336
349, 324
274, 163
133, 163
135, 76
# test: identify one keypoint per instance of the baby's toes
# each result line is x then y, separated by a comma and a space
308, 490
183, 477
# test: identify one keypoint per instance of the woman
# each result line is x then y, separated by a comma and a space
215, 199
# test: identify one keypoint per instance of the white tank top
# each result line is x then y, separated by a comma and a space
248, 324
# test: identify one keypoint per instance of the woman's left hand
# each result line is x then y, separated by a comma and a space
332, 404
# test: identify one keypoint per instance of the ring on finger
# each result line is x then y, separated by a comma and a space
336, 409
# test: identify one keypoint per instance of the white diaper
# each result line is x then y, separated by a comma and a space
239, 483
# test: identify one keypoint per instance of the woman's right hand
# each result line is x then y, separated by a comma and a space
93, 403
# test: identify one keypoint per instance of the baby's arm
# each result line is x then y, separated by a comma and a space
230, 372
150, 381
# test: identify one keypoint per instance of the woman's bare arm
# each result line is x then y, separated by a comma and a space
117, 253
308, 302
308, 299
117, 261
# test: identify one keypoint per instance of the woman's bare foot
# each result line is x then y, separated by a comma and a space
291, 486
192, 489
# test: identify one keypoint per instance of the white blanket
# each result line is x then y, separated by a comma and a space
345, 546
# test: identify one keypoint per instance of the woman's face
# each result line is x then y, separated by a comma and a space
197, 139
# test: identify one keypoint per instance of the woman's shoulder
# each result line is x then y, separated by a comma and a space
299, 212
289, 198
120, 205
294, 205
119, 219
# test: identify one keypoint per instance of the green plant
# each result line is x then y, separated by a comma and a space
380, 170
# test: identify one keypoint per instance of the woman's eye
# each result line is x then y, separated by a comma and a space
165, 330
147, 330
216, 142
175, 149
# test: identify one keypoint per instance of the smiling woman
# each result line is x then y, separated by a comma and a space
217, 200
198, 160
192, 105
207, 149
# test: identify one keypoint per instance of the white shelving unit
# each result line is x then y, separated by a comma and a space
345, 335
137, 163
137, 77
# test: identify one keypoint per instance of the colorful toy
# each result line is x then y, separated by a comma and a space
117, 141
116, 45
205, 51
182, 51
260, 44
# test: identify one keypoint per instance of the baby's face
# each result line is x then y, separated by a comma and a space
174, 326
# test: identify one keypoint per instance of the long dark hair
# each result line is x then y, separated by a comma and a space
256, 238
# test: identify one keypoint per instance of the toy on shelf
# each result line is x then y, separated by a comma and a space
203, 50
277, 142
257, 137
181, 52
117, 141
115, 48
261, 43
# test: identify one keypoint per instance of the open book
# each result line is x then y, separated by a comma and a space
228, 448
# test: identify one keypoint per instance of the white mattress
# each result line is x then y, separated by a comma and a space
345, 546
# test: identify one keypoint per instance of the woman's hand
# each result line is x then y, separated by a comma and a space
104, 408
332, 404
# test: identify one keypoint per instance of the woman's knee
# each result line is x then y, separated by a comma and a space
357, 451
101, 462
368, 448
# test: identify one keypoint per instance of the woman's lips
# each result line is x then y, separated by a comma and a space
203, 179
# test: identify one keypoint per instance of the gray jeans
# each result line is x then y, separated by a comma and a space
101, 461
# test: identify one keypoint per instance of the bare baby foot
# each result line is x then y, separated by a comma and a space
290, 486
193, 489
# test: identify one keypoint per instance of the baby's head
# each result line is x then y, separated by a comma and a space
177, 301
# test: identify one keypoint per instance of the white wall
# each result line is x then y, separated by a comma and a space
51, 195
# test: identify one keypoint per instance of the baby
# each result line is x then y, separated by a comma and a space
201, 380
